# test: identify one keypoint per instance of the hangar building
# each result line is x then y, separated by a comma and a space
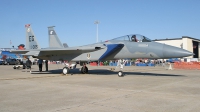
187, 43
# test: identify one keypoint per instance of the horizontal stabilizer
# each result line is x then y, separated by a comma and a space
19, 51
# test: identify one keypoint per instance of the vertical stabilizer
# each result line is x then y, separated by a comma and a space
31, 41
54, 41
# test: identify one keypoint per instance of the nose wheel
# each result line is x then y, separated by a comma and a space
120, 74
121, 63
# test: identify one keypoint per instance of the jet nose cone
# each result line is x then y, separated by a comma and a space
175, 52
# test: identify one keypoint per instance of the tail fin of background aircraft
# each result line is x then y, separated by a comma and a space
31, 41
54, 41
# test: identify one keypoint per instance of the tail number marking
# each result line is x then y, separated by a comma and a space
34, 46
31, 38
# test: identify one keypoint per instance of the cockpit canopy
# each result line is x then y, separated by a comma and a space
133, 38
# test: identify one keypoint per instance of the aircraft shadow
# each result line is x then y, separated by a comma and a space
104, 72
152, 74
56, 71
109, 72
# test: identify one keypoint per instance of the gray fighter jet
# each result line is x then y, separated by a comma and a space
128, 46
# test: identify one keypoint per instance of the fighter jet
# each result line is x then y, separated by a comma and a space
128, 46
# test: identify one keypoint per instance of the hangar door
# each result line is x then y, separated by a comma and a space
195, 49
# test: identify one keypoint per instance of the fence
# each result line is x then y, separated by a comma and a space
187, 65
110, 64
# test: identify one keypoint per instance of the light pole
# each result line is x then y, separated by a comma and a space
97, 22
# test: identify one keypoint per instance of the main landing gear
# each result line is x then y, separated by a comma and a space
66, 69
84, 69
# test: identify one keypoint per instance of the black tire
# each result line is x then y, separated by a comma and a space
84, 70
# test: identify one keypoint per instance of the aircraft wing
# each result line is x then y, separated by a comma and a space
39, 52
19, 51
111, 48
67, 51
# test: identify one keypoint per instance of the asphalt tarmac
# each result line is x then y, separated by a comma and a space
142, 89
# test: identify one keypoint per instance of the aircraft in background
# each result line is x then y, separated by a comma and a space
7, 54
128, 46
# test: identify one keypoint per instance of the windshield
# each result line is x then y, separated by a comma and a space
126, 38
133, 38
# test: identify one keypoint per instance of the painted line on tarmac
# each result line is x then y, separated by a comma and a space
30, 77
34, 77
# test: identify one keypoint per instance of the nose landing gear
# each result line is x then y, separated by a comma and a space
121, 64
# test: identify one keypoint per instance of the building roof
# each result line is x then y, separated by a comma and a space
195, 39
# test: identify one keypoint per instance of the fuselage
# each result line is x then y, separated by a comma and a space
150, 50
128, 46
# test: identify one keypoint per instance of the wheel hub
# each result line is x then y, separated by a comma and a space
65, 71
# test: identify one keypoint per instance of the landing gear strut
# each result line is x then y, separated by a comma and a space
66, 69
121, 64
